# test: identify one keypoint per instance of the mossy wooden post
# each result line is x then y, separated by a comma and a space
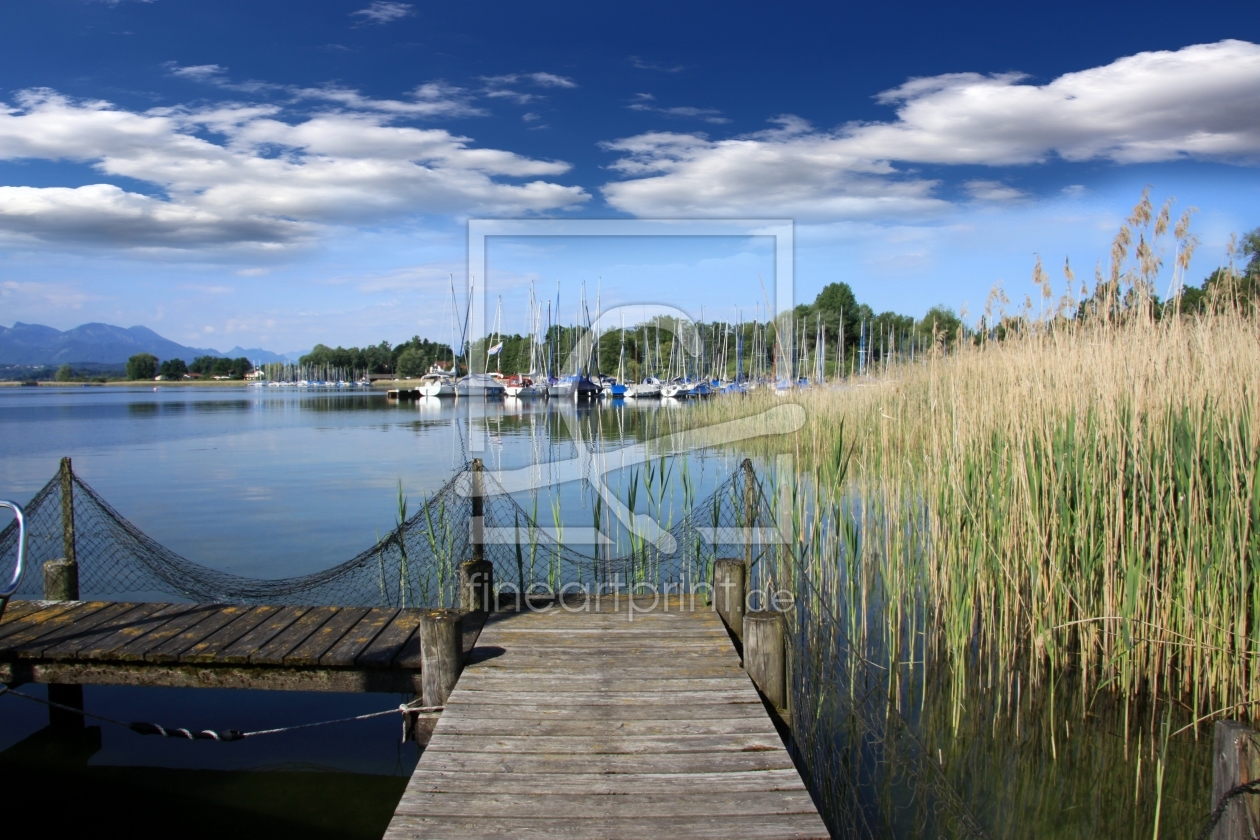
750, 510
440, 655
764, 655
64, 585
476, 576
1235, 760
729, 593
61, 583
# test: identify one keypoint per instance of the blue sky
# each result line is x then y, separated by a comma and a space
277, 174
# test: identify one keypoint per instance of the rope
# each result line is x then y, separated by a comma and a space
147, 728
1238, 790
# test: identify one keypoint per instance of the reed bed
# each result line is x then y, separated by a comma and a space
1080, 497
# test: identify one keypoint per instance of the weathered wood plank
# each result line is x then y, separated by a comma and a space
71, 635
44, 622
744, 696
208, 649
695, 800
435, 758
609, 743
546, 711
358, 638
273, 652
85, 638
456, 724
514, 681
625, 784
182, 632
273, 678
139, 622
308, 653
16, 609
240, 651
381, 652
700, 827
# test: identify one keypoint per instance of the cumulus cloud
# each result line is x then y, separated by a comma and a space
994, 191
384, 11
1200, 102
263, 179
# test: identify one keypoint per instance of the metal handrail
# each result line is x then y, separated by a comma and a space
20, 567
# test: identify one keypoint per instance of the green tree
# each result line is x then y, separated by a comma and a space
1251, 248
65, 373
411, 363
142, 366
173, 369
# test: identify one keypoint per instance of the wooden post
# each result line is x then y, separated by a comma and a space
750, 510
728, 593
478, 512
1235, 760
61, 583
764, 631
441, 656
67, 511
61, 580
476, 586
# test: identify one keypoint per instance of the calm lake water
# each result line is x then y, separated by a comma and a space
275, 483
266, 483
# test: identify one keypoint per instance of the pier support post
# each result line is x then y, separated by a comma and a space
477, 526
729, 593
476, 586
764, 655
61, 583
476, 576
1235, 760
440, 655
750, 509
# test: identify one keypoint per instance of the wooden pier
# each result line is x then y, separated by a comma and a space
601, 719
214, 646
593, 719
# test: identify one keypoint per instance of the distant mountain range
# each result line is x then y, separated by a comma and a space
104, 344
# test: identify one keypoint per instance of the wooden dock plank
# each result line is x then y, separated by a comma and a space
240, 651
194, 623
562, 827
329, 633
207, 649
41, 623
381, 652
83, 635
623, 785
274, 651
139, 623
356, 640
72, 628
605, 724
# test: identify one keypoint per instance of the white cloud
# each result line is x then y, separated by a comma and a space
1199, 102
994, 191
496, 86
643, 102
198, 72
384, 11
640, 64
790, 171
270, 181
540, 79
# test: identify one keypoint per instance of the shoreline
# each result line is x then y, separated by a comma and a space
379, 385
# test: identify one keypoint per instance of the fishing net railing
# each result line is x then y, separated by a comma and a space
868, 771
416, 565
